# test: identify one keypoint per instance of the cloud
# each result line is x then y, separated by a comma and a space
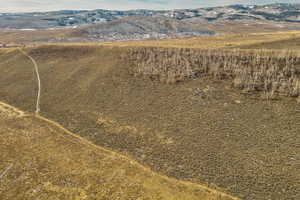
44, 5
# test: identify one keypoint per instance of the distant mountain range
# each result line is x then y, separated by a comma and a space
142, 24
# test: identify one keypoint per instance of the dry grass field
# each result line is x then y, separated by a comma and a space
32, 36
201, 130
280, 40
249, 26
40, 160
227, 39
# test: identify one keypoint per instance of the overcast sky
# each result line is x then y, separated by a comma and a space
45, 5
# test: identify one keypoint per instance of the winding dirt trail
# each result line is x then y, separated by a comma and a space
37, 110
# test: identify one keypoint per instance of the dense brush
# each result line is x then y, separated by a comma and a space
274, 73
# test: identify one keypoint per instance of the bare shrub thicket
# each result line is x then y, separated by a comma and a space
272, 72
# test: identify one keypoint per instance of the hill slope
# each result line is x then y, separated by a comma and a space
143, 27
200, 130
110, 25
40, 160
67, 18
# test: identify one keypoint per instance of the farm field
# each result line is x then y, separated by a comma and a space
201, 130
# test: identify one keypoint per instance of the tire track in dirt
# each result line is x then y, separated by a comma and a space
37, 110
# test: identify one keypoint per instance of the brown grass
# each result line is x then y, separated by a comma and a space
40, 159
237, 40
220, 137
33, 36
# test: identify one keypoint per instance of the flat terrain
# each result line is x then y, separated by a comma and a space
241, 143
40, 160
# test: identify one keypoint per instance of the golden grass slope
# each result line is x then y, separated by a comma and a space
41, 160
26, 36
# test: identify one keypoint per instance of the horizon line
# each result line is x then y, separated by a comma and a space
154, 9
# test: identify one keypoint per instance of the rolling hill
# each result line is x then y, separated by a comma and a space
279, 12
143, 27
110, 25
202, 130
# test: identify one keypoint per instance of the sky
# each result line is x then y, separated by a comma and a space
47, 5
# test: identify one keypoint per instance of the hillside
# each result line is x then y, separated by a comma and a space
201, 130
109, 25
141, 27
40, 160
68, 18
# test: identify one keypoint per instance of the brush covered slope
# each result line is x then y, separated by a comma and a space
271, 72
40, 160
201, 130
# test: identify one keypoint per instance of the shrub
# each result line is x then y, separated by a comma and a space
272, 72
